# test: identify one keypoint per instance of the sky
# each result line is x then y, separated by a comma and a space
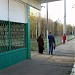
56, 11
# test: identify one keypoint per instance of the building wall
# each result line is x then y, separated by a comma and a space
13, 11
3, 9
14, 21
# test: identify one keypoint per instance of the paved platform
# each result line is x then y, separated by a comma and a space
73, 70
60, 63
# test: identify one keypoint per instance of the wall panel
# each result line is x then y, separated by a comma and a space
3, 9
17, 11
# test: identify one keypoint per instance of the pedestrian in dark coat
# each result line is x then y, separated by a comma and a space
40, 44
51, 43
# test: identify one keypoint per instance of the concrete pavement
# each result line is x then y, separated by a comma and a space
60, 63
73, 70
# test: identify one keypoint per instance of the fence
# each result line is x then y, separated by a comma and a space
58, 39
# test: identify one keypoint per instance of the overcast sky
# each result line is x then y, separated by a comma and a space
56, 11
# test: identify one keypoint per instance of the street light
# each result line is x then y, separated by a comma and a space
73, 25
47, 25
73, 6
64, 27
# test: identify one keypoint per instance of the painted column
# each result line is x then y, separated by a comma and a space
28, 32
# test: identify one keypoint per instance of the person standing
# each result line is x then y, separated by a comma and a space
40, 44
64, 38
51, 43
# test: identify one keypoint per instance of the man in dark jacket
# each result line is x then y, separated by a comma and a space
51, 43
40, 44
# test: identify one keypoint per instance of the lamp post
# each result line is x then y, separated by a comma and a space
73, 25
47, 25
64, 27
73, 6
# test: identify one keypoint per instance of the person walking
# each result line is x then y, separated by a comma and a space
40, 44
64, 38
51, 43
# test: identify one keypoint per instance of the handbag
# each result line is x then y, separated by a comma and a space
54, 46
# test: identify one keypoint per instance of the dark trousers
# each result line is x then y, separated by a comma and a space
51, 48
40, 50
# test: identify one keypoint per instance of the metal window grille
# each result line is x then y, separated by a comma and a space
3, 36
12, 37
17, 35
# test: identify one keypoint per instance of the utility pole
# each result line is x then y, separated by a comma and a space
64, 27
47, 25
73, 25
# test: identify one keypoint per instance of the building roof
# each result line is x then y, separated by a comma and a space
45, 1
37, 3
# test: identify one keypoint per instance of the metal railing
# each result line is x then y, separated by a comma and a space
58, 39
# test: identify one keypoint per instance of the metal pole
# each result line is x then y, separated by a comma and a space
47, 25
9, 37
39, 24
36, 28
64, 27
